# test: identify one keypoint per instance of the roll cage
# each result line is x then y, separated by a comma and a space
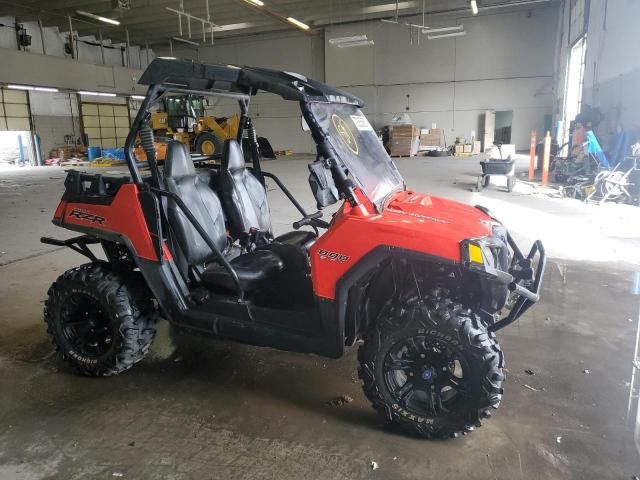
165, 75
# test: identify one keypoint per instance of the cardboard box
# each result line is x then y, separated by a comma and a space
467, 148
404, 147
404, 131
477, 147
458, 148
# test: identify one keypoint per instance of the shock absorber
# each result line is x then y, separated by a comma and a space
148, 145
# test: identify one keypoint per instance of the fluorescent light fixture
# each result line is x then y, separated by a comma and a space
98, 17
29, 87
232, 26
386, 20
257, 3
446, 35
442, 29
97, 94
298, 23
137, 97
353, 41
389, 7
184, 40
474, 6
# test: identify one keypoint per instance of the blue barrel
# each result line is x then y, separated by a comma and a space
93, 153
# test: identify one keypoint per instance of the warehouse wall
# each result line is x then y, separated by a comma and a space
505, 62
51, 71
612, 67
275, 119
87, 50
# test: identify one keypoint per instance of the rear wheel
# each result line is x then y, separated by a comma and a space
430, 367
208, 144
100, 321
511, 182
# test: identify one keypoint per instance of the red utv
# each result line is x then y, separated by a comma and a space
419, 281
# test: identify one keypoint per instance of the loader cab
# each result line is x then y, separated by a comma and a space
183, 110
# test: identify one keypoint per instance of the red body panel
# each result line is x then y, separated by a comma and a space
124, 216
412, 221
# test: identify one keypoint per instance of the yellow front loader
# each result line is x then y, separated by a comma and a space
184, 120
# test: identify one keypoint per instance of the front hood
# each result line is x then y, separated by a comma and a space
466, 221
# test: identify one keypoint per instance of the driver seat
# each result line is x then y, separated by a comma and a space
244, 199
181, 178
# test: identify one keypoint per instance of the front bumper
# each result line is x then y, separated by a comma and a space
522, 280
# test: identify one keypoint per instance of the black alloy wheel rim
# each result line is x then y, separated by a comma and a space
426, 376
86, 326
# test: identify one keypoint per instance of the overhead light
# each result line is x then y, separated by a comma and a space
137, 97
98, 17
184, 40
353, 41
389, 7
19, 87
446, 35
258, 3
232, 26
474, 6
97, 94
443, 29
386, 20
29, 87
298, 23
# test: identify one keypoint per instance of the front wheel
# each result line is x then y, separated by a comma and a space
434, 370
100, 321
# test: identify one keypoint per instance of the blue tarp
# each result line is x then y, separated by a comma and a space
593, 147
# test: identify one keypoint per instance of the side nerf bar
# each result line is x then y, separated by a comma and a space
527, 297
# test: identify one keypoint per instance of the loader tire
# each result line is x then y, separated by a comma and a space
208, 144
100, 321
433, 370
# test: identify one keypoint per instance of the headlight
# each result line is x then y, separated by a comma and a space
486, 254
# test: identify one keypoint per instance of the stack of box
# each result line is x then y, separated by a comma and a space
404, 140
431, 137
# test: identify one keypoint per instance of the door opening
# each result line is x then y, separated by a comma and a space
504, 120
573, 89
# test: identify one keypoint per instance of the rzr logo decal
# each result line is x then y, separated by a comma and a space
82, 215
333, 256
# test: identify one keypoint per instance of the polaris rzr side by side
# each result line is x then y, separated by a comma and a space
421, 283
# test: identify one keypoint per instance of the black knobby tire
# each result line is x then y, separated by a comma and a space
440, 326
100, 321
205, 138
486, 180
511, 182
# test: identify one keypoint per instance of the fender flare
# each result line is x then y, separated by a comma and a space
351, 285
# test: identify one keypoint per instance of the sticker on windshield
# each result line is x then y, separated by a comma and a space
361, 123
345, 133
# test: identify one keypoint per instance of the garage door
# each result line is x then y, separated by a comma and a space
106, 125
14, 110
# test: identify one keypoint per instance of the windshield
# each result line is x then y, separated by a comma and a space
358, 147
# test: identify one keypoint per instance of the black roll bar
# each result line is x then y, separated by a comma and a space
205, 236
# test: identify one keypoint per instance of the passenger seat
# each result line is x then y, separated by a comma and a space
244, 199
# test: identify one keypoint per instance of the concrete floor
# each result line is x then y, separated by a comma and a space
209, 409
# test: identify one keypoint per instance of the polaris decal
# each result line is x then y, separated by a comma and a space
83, 215
333, 256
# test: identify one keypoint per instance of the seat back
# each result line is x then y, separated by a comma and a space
182, 179
244, 198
